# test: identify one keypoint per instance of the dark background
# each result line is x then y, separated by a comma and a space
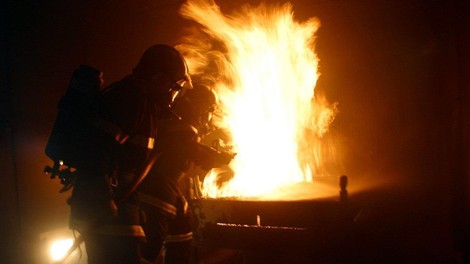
398, 69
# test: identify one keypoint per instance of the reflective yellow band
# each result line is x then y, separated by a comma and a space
111, 129
185, 206
142, 141
179, 238
121, 230
148, 199
120, 136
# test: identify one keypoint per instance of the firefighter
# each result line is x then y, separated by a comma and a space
104, 210
168, 225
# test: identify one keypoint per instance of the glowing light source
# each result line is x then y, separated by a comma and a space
59, 247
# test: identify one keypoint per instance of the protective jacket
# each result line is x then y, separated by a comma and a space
123, 135
163, 202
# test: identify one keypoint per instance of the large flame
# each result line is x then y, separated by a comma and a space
263, 66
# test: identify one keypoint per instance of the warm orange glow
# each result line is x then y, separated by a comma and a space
263, 65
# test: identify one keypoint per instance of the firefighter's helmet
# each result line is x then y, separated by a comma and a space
161, 58
203, 98
197, 106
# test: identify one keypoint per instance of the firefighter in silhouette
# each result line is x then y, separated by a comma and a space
104, 208
168, 225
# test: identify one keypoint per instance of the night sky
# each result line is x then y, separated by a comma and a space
399, 71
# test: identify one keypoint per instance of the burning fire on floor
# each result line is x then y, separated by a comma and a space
263, 65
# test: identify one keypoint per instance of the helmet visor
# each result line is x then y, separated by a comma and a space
180, 84
177, 87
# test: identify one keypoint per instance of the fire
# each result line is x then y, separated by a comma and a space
263, 66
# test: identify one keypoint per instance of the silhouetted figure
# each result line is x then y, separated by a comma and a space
104, 210
168, 218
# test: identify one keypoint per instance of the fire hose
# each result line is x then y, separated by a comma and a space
133, 186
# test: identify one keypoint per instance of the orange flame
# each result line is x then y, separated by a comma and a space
263, 66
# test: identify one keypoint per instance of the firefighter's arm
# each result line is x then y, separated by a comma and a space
181, 137
208, 158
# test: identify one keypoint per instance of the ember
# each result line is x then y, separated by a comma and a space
263, 65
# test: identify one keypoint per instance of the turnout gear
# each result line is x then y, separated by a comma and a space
117, 151
116, 158
168, 226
